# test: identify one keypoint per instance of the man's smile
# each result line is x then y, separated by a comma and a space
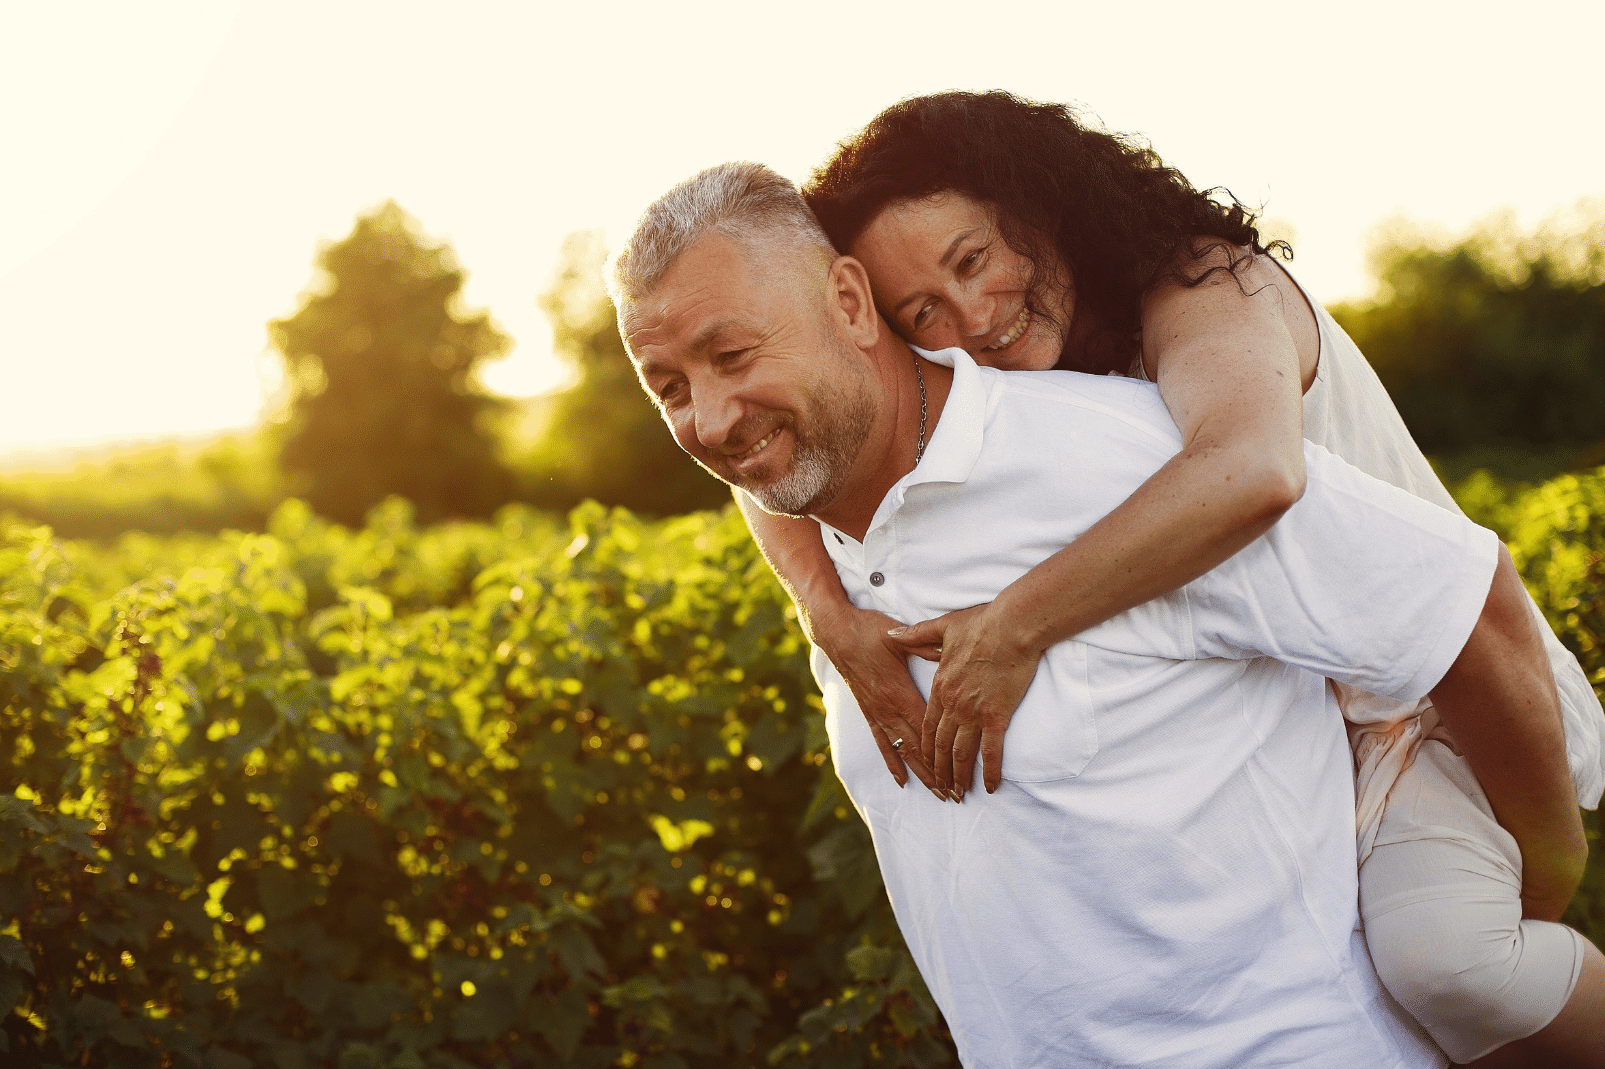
765, 440
745, 462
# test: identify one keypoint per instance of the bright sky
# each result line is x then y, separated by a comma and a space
170, 168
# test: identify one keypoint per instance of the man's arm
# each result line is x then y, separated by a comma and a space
1498, 700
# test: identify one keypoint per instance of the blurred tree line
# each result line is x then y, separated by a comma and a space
1492, 346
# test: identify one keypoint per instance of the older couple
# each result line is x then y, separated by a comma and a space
1162, 870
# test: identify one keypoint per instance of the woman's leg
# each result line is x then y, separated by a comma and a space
1440, 895
1576, 1038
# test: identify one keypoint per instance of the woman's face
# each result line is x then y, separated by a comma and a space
943, 276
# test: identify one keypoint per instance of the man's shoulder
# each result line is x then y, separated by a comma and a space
1100, 404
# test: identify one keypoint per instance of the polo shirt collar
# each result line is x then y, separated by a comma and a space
955, 445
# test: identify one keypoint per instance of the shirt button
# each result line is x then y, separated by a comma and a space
876, 579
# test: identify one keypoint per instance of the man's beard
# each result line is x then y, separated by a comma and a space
838, 420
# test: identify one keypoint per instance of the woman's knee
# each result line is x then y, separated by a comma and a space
1471, 989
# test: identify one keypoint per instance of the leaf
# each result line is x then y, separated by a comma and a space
577, 953
361, 1056
373, 1005
93, 1016
487, 1015
873, 963
774, 739
12, 988
676, 837
635, 989
14, 954
350, 835
284, 892
562, 1021
312, 990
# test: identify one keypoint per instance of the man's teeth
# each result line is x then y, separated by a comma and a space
1015, 331
769, 438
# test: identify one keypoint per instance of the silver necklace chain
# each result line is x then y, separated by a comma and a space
919, 448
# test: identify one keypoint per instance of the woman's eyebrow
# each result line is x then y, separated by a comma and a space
953, 246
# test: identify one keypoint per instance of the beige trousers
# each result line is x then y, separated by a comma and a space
1440, 895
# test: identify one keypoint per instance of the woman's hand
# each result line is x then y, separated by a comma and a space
876, 671
981, 675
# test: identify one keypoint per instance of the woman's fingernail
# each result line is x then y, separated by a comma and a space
894, 632
955, 795
938, 795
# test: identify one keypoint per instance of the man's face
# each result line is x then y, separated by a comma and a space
753, 376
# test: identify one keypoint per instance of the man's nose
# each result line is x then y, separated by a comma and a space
717, 411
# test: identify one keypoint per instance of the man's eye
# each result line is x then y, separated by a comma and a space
668, 394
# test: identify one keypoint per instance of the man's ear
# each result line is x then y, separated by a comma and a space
852, 302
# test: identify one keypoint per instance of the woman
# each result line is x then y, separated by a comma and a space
1007, 229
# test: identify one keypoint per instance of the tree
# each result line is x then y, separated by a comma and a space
381, 360
1495, 340
605, 440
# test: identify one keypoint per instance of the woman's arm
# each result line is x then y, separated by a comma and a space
1232, 357
856, 641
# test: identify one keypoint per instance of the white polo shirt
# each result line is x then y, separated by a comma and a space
1166, 876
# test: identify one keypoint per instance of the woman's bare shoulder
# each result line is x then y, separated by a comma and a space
1234, 292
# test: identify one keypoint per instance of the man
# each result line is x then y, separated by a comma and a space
1166, 875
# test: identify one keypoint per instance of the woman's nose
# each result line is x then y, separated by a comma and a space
974, 314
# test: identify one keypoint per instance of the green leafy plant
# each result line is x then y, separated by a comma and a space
527, 793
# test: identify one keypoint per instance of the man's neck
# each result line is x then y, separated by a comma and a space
895, 440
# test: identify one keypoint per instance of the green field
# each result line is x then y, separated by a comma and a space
531, 792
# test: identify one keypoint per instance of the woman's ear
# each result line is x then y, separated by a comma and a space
852, 302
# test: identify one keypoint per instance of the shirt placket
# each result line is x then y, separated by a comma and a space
880, 573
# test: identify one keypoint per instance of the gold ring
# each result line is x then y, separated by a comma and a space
897, 744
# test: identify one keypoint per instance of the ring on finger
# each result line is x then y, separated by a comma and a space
897, 744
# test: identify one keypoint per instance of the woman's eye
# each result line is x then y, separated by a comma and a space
923, 315
971, 260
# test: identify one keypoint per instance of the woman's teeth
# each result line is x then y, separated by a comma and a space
1015, 331
754, 450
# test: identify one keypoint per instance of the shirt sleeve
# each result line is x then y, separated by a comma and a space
1359, 581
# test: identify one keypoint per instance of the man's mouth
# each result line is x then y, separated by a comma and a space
1015, 332
757, 448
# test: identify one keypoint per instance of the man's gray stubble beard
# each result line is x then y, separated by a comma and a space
820, 466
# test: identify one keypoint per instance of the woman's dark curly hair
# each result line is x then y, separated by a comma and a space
1118, 217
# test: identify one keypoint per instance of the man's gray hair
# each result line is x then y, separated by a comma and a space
746, 202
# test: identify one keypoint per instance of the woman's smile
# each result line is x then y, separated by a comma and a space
1015, 332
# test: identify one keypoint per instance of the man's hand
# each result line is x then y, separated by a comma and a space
980, 678
876, 671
